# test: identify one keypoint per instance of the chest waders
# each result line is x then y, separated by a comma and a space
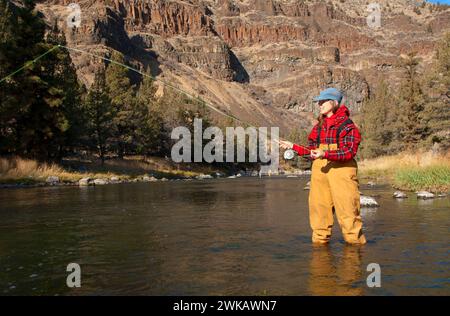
335, 189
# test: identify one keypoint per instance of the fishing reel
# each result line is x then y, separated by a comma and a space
289, 154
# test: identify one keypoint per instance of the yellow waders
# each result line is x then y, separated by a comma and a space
334, 188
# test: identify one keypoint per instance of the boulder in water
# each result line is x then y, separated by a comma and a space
425, 195
52, 180
100, 182
204, 176
84, 182
400, 195
368, 201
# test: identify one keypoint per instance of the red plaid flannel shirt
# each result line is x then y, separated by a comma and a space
349, 138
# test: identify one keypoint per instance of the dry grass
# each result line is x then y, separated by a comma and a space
410, 171
20, 170
12, 169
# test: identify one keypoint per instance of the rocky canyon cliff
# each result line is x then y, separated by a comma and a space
260, 60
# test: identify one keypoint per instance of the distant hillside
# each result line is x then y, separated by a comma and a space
262, 61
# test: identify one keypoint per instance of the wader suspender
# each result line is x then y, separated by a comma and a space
339, 130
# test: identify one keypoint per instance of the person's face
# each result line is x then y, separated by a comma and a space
326, 106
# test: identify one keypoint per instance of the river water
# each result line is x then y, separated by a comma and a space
245, 236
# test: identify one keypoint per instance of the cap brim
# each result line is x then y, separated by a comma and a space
317, 99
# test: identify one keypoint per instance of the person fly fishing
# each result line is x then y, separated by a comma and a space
332, 145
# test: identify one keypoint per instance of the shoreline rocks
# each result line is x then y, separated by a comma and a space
424, 195
84, 182
52, 180
367, 201
100, 182
400, 195
204, 176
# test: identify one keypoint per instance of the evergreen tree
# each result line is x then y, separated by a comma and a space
411, 124
34, 101
100, 115
122, 98
21, 40
66, 76
438, 92
375, 129
152, 136
8, 106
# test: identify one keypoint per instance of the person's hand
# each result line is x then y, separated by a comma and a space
286, 145
317, 153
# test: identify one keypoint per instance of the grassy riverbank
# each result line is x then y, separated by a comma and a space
17, 170
410, 171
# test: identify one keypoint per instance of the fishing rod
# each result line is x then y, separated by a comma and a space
289, 154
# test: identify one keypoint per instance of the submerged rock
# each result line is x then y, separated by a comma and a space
100, 182
146, 178
425, 195
368, 201
84, 182
400, 195
52, 180
114, 179
204, 176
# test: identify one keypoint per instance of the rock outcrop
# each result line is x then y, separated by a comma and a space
262, 61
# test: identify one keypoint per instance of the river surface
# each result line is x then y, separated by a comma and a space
245, 236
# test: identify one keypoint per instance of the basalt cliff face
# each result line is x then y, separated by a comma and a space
261, 60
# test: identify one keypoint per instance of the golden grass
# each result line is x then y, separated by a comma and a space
410, 171
17, 168
20, 170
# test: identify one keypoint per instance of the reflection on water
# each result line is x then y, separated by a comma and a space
330, 275
216, 237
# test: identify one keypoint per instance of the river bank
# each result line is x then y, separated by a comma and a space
16, 171
407, 172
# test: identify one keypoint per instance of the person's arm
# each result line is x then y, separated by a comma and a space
301, 150
348, 146
304, 151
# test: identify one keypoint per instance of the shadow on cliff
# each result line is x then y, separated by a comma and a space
240, 74
115, 36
